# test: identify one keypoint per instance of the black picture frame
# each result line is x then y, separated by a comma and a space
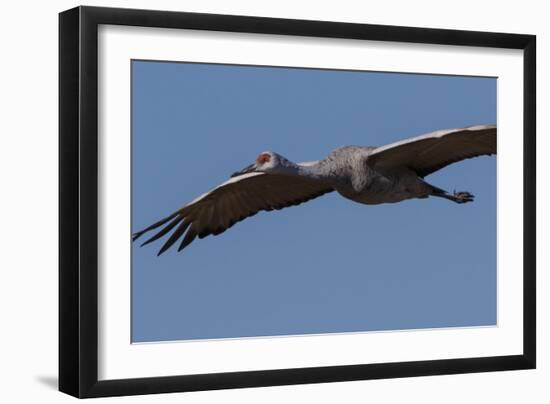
78, 196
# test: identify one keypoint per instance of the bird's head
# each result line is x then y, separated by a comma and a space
268, 162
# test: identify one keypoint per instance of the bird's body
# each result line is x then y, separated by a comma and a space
350, 174
367, 175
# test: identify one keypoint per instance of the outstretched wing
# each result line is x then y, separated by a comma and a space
428, 153
234, 200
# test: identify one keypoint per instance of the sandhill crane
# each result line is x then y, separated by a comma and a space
368, 175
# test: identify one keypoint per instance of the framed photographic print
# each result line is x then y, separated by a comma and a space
250, 201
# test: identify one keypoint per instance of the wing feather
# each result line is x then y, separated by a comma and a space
175, 235
428, 153
238, 198
164, 230
189, 236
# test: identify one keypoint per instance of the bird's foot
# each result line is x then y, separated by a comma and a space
462, 197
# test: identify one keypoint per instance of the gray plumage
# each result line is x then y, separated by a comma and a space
368, 175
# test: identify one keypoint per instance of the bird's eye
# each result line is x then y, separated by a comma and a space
263, 158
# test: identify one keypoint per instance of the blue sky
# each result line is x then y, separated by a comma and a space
329, 265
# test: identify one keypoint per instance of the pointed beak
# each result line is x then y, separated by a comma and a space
249, 169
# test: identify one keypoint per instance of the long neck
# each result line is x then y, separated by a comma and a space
318, 170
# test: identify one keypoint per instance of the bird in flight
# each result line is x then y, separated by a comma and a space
368, 175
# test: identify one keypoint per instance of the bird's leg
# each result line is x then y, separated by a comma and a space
458, 197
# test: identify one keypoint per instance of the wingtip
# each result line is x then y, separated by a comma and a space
185, 244
163, 249
149, 241
481, 127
